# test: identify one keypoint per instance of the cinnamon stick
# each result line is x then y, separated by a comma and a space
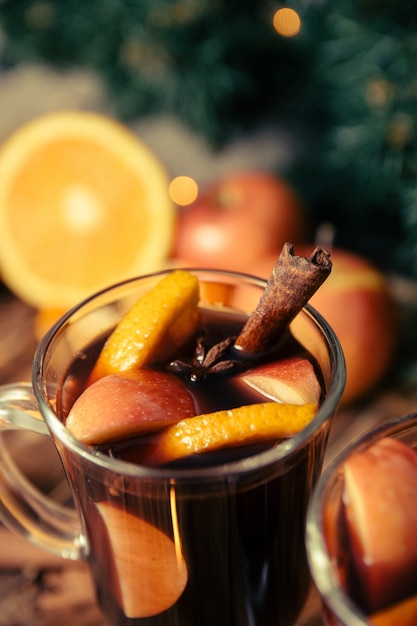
293, 281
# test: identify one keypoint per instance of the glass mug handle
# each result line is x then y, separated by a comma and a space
24, 509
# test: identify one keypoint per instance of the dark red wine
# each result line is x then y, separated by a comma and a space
241, 536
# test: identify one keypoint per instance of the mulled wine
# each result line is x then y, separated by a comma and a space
189, 529
241, 537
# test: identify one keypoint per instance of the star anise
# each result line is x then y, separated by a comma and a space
206, 361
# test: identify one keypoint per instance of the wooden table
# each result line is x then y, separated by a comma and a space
37, 589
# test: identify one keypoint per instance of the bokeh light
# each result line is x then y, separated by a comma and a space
287, 22
183, 190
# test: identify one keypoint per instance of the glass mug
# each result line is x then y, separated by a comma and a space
338, 608
216, 545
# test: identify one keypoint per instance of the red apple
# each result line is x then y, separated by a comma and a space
239, 219
291, 381
131, 403
380, 496
356, 302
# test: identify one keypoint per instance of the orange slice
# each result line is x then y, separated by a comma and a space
230, 428
83, 204
159, 321
149, 572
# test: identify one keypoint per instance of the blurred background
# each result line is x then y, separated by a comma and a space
331, 105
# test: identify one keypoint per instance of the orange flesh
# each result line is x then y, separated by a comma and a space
87, 189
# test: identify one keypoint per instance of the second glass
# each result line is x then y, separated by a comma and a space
325, 537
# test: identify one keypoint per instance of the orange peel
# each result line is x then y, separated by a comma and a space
243, 425
160, 320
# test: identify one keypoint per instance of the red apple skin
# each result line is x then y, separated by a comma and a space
239, 219
356, 302
380, 496
291, 381
131, 403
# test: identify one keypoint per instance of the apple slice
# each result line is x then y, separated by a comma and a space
150, 570
130, 403
290, 381
380, 495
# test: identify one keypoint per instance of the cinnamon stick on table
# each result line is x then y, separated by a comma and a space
293, 281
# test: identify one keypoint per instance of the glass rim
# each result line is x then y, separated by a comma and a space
283, 451
320, 562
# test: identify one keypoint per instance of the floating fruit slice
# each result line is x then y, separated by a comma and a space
230, 428
292, 381
132, 403
150, 570
159, 321
402, 614
83, 204
380, 495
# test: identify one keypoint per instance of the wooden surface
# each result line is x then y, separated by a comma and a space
37, 589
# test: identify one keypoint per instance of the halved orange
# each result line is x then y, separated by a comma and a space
83, 203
